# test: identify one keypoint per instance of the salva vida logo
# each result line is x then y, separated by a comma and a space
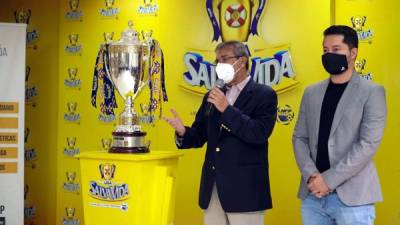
74, 12
70, 217
149, 7
105, 189
364, 35
32, 34
70, 185
73, 48
239, 20
72, 81
29, 209
31, 91
71, 149
72, 115
30, 154
360, 67
109, 11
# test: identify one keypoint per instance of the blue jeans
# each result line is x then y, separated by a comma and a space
329, 210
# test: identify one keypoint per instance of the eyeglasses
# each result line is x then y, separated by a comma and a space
225, 59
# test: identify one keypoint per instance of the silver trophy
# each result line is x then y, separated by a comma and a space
126, 64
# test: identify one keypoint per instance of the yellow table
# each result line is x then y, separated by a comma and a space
128, 189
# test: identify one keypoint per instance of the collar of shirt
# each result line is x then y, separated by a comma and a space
242, 84
234, 91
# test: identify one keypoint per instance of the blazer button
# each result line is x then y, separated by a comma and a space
217, 149
213, 167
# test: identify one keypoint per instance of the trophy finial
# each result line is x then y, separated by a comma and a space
129, 34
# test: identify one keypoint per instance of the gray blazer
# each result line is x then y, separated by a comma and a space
356, 133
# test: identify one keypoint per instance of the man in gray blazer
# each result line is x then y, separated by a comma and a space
339, 128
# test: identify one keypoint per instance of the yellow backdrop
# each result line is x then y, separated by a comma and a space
182, 26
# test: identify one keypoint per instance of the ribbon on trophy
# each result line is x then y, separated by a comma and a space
103, 83
216, 27
158, 92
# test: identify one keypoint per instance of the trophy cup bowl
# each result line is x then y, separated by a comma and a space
124, 65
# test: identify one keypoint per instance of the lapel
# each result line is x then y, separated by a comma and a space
319, 97
245, 94
345, 100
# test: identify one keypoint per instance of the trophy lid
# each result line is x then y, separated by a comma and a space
129, 36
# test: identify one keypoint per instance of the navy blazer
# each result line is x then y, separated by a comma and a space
237, 149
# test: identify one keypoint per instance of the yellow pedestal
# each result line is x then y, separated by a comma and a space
128, 189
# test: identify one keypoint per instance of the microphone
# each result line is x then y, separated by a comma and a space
210, 107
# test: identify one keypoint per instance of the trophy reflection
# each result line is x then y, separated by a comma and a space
125, 65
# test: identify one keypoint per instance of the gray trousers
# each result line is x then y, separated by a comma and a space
215, 215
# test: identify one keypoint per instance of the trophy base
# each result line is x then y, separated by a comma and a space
128, 150
129, 142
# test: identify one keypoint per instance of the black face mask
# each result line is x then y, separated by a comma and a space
334, 64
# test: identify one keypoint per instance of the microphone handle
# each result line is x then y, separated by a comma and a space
210, 107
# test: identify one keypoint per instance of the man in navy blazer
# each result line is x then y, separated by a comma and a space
234, 187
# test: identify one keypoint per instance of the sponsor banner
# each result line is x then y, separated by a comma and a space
12, 103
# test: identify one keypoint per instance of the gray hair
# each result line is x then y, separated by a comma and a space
239, 49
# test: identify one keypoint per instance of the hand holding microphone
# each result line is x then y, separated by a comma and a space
216, 98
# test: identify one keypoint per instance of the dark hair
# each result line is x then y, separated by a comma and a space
349, 34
